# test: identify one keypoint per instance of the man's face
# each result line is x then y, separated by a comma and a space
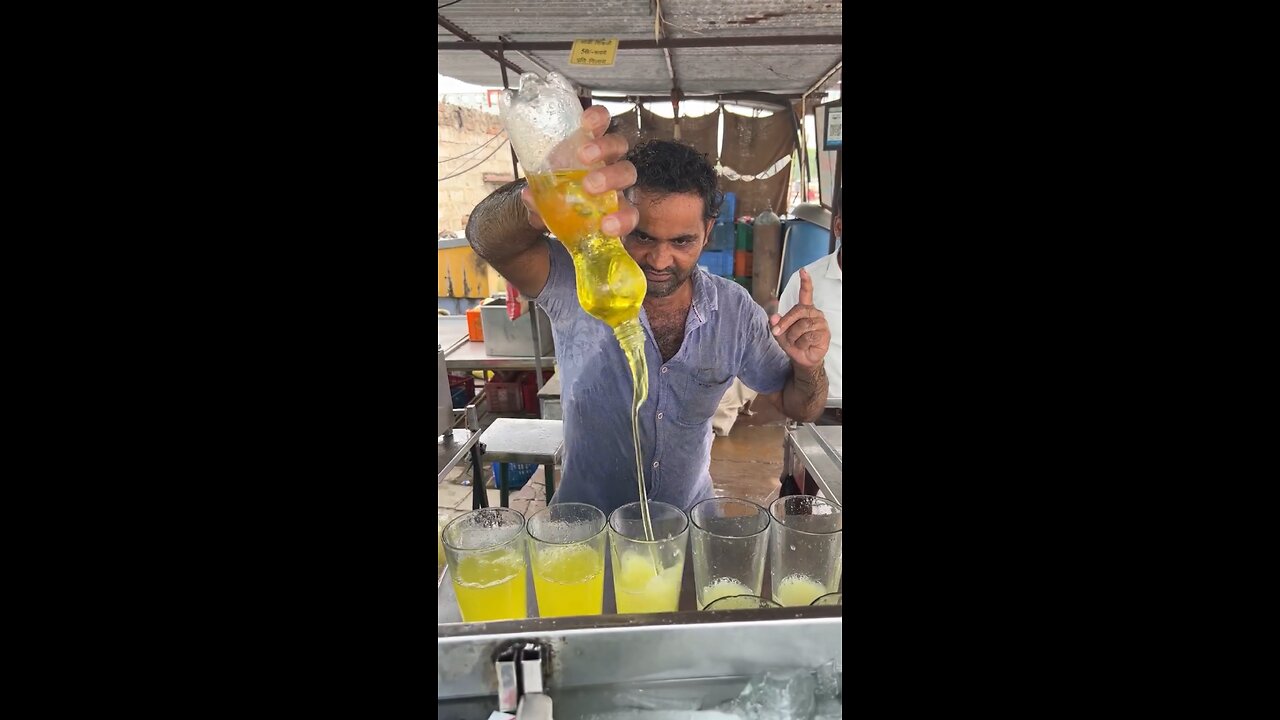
668, 239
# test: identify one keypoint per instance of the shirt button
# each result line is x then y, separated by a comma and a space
655, 463
664, 368
659, 416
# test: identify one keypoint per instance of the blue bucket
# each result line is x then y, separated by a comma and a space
806, 243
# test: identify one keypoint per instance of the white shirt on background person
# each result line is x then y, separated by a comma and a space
828, 289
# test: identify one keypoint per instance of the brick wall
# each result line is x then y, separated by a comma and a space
461, 130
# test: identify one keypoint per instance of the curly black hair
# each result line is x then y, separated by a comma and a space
666, 167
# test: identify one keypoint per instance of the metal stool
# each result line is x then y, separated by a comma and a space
516, 440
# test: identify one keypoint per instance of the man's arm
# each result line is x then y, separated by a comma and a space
805, 394
502, 231
505, 227
804, 335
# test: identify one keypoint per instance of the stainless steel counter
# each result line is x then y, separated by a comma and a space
820, 451
451, 332
688, 647
471, 356
451, 450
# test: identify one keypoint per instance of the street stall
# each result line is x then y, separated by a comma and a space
669, 645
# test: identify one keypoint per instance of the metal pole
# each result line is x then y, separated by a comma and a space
698, 42
444, 399
515, 166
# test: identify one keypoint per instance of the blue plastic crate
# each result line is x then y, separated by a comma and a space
518, 475
722, 237
717, 262
728, 209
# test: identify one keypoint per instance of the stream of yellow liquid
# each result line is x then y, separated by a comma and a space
611, 286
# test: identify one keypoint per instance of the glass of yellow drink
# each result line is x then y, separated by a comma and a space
647, 574
805, 549
485, 551
730, 539
741, 602
566, 552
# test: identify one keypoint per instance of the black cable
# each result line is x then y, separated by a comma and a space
458, 157
455, 2
473, 167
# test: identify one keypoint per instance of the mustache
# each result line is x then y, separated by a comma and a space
668, 271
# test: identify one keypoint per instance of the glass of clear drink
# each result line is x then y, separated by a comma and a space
485, 550
730, 542
566, 552
805, 549
741, 602
647, 574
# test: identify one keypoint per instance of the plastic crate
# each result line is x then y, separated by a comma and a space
518, 475
717, 262
462, 389
728, 209
722, 237
504, 397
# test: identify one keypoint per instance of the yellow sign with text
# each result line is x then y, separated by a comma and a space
599, 53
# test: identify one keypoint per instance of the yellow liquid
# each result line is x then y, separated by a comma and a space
797, 590
611, 286
722, 588
491, 587
638, 589
569, 581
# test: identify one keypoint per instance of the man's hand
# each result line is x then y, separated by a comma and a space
604, 153
803, 332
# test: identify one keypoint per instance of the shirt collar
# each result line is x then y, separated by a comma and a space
833, 267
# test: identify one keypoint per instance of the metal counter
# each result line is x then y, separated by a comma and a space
450, 450
471, 356
712, 650
820, 451
590, 652
451, 332
462, 354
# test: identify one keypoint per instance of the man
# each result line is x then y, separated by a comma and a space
828, 290
701, 331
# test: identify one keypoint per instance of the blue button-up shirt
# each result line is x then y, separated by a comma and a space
726, 335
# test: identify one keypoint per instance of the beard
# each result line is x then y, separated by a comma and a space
666, 287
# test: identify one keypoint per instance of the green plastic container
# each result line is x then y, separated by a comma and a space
743, 240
